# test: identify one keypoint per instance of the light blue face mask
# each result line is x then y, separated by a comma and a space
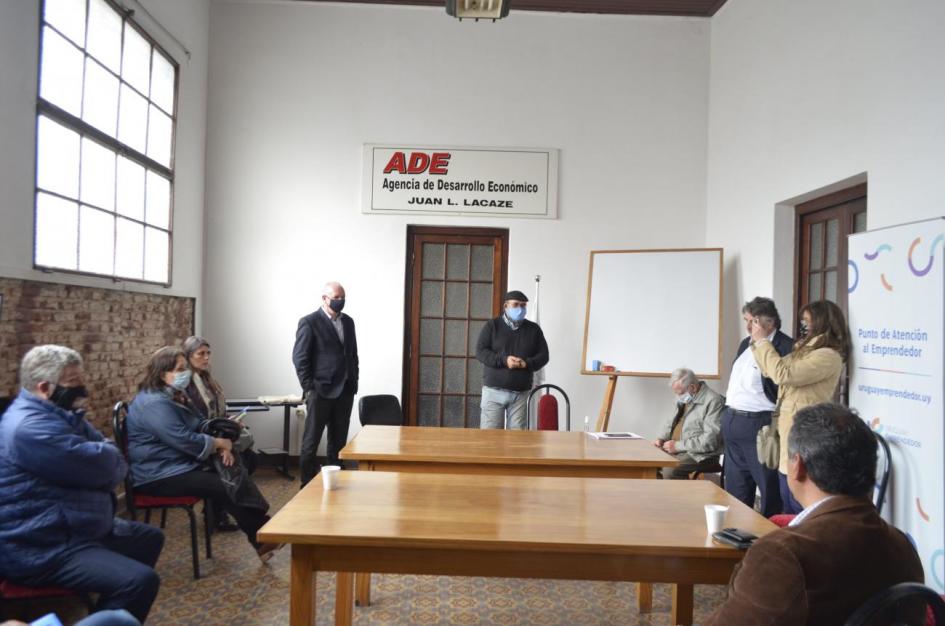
182, 380
516, 313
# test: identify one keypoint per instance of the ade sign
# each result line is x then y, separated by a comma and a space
510, 182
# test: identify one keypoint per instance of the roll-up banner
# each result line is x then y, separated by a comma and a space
896, 285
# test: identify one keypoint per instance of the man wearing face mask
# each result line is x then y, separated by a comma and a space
326, 362
57, 510
692, 435
512, 349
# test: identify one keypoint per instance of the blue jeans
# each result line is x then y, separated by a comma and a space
120, 568
499, 404
743, 471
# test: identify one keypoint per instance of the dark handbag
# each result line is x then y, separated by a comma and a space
222, 428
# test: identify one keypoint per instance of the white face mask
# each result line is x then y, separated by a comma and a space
684, 398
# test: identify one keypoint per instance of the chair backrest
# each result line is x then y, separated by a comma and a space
120, 432
883, 469
900, 604
381, 409
542, 416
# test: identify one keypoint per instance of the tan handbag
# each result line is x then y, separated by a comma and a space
768, 442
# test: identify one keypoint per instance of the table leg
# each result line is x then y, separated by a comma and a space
681, 612
362, 589
302, 586
344, 592
645, 597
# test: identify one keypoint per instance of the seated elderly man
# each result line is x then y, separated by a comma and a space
57, 473
693, 434
838, 552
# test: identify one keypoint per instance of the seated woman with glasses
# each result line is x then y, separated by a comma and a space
169, 456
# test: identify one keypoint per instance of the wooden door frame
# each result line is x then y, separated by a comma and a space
413, 230
803, 209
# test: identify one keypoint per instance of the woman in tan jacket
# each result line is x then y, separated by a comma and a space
806, 376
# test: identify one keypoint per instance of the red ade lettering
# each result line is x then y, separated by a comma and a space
418, 163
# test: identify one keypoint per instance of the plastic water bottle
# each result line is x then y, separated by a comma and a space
587, 424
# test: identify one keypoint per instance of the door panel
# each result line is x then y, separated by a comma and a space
455, 281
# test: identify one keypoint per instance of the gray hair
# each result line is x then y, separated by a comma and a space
330, 288
192, 344
684, 375
46, 363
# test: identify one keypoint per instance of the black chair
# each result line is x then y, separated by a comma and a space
381, 410
883, 468
901, 605
140, 502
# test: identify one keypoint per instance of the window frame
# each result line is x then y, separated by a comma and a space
85, 130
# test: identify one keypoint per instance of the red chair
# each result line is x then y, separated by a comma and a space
12, 592
782, 520
547, 412
141, 502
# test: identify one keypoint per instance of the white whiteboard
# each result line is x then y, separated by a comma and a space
651, 311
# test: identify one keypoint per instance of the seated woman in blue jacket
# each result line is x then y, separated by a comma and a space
168, 454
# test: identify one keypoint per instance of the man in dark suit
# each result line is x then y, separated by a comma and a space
749, 402
838, 552
326, 362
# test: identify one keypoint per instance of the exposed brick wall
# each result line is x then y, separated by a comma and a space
114, 331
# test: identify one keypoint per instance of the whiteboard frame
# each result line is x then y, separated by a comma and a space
587, 313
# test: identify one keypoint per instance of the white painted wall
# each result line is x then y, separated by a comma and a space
188, 21
295, 89
806, 93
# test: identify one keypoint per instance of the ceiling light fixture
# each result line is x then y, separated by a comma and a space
478, 9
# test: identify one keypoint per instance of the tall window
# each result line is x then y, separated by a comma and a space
104, 144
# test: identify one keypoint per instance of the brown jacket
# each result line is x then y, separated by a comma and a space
804, 377
820, 571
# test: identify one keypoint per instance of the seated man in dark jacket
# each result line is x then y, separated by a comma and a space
57, 473
838, 552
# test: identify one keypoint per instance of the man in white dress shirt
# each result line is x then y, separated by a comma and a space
749, 402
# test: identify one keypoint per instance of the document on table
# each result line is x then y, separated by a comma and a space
614, 435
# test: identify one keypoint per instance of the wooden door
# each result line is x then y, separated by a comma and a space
823, 226
454, 284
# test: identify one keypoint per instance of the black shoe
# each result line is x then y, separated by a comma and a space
226, 525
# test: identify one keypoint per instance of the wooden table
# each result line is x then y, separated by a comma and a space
506, 452
506, 526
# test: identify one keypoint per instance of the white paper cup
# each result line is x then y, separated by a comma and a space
715, 517
330, 476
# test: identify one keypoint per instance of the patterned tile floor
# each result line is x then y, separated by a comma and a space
235, 589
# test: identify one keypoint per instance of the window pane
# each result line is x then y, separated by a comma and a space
133, 119
431, 298
430, 373
159, 200
162, 82
155, 255
859, 222
98, 175
57, 158
130, 188
57, 226
433, 262
428, 413
136, 59
60, 80
481, 305
833, 242
456, 337
473, 412
159, 137
457, 261
68, 16
129, 249
96, 241
816, 245
454, 375
482, 263
105, 34
431, 336
457, 300
101, 98
453, 412
473, 376
814, 287
830, 286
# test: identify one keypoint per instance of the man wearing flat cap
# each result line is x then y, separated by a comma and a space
512, 349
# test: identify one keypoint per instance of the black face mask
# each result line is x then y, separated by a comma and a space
65, 397
336, 304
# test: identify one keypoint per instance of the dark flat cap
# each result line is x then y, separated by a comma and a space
514, 295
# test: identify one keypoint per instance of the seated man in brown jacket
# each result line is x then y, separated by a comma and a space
838, 552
